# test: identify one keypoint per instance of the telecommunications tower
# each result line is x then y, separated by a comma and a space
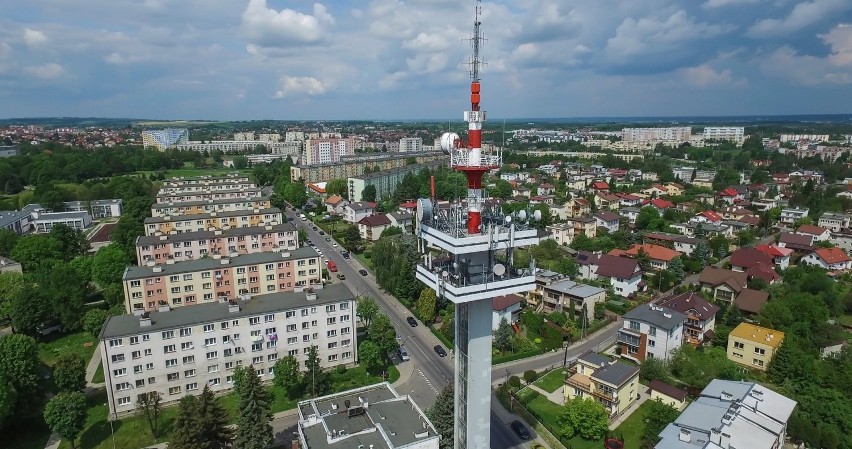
467, 257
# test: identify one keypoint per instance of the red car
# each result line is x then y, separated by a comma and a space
332, 267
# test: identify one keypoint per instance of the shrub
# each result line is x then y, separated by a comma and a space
530, 376
515, 382
341, 369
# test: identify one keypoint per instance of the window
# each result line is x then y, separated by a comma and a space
739, 345
254, 320
272, 357
329, 309
191, 387
224, 325
306, 338
137, 369
258, 359
213, 368
652, 331
122, 386
271, 344
759, 351
259, 372
256, 347
119, 372
344, 306
209, 341
651, 343
171, 362
304, 312
212, 355
189, 373
172, 376
149, 366
146, 337
346, 343
331, 320
186, 345
174, 390
213, 382
634, 325
134, 340
115, 343
117, 358
169, 349
209, 328
290, 314
148, 352
344, 318
255, 333
140, 383
332, 358
332, 345
292, 340
189, 359
269, 318
331, 333
136, 354
186, 332
757, 362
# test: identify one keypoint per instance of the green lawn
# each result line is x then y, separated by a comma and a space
548, 412
633, 427
366, 262
80, 343
98, 378
551, 381
845, 320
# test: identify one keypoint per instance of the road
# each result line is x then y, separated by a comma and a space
431, 373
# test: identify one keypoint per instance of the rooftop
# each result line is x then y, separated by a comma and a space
225, 233
658, 316
751, 301
618, 267
668, 390
655, 252
123, 325
504, 301
210, 202
832, 255
757, 334
225, 214
718, 276
572, 288
691, 302
210, 263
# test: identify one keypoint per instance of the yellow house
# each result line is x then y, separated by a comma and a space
612, 383
753, 346
673, 189
667, 394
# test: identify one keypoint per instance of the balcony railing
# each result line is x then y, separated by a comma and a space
627, 337
605, 395
460, 276
577, 384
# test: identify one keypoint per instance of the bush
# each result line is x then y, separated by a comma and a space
341, 369
94, 320
514, 382
530, 376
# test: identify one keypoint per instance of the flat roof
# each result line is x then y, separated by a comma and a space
209, 263
208, 202
226, 214
8, 217
570, 287
389, 420
757, 334
51, 216
124, 325
197, 235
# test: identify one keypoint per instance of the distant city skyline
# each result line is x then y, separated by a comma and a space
395, 60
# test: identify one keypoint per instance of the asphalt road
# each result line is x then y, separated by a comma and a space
432, 373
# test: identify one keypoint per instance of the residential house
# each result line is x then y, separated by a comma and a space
630, 213
607, 201
546, 189
606, 219
599, 187
700, 325
660, 256
612, 383
654, 191
402, 220
753, 346
704, 178
709, 229
834, 259
371, 227
579, 207
572, 297
801, 243
650, 176
543, 199
521, 191
730, 195
731, 414
680, 243
673, 189
672, 396
834, 222
842, 240
736, 213
335, 204
355, 212
506, 307
628, 200
790, 215
658, 203
723, 285
707, 216
650, 331
583, 226
745, 258
751, 302
819, 234
623, 273
780, 256
543, 278
563, 233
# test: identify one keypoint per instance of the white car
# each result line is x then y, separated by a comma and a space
334, 245
403, 354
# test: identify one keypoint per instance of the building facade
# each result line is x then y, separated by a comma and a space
163, 139
212, 221
243, 193
609, 382
210, 206
410, 144
194, 245
571, 297
734, 134
357, 165
384, 181
96, 208
328, 150
651, 331
753, 346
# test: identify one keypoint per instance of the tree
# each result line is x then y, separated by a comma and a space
214, 432
382, 332
149, 405
644, 260
352, 237
187, 427
65, 414
72, 242
391, 231
33, 250
366, 309
502, 189
12, 284
66, 292
50, 196
655, 369
29, 308
583, 417
108, 265
701, 252
94, 320
530, 376
8, 239
69, 373
338, 186
371, 356
646, 215
369, 193
676, 269
442, 415
658, 416
288, 376
20, 365
426, 305
295, 194
756, 283
240, 162
253, 421
317, 381
8, 399
503, 336
567, 266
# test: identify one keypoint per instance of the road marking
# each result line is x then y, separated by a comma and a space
428, 382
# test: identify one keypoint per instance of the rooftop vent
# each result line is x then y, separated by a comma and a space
164, 307
310, 295
158, 269
233, 306
224, 261
145, 320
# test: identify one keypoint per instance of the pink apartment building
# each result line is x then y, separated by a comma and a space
229, 242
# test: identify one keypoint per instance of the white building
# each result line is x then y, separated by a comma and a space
178, 352
829, 259
733, 133
671, 134
506, 307
163, 139
650, 332
42, 221
790, 215
357, 211
407, 144
96, 208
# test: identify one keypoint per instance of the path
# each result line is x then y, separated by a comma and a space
92, 368
557, 397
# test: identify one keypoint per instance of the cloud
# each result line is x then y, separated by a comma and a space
803, 15
713, 4
296, 85
49, 71
705, 76
840, 41
636, 37
270, 28
806, 70
34, 38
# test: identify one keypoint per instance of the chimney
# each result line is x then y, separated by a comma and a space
716, 436
685, 436
224, 261
163, 237
150, 263
164, 307
145, 320
310, 295
233, 306
158, 269
170, 261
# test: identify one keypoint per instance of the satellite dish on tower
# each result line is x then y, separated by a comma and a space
508, 219
424, 210
537, 215
522, 215
448, 142
499, 269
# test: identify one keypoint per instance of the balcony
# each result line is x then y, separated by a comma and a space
458, 286
628, 337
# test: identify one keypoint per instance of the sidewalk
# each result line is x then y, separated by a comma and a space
92, 368
557, 397
633, 407
506, 417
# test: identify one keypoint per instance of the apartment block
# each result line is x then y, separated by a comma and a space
328, 150
213, 220
207, 280
163, 139
734, 134
209, 206
834, 221
790, 215
178, 351
753, 346
384, 181
612, 383
356, 165
410, 144
671, 134
43, 221
651, 331
215, 195
231, 242
201, 185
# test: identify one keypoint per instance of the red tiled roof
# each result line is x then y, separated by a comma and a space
619, 267
600, 185
811, 229
774, 251
502, 302
763, 271
656, 252
728, 192
375, 220
711, 215
409, 205
660, 203
749, 257
832, 255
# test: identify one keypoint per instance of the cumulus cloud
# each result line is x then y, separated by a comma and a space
49, 71
713, 4
803, 15
270, 28
840, 41
706, 76
807, 70
34, 38
636, 37
299, 85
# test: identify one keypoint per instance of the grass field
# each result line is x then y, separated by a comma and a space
80, 343
551, 381
98, 378
634, 426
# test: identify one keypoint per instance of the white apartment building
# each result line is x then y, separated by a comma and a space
834, 221
328, 150
733, 133
214, 220
407, 144
178, 351
810, 137
790, 215
231, 146
209, 206
203, 281
217, 195
193, 245
650, 331
671, 134
195, 185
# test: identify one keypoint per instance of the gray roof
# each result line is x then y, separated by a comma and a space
572, 288
124, 325
360, 205
210, 202
226, 214
616, 374
212, 192
7, 217
209, 263
94, 202
594, 358
50, 216
225, 233
398, 416
662, 317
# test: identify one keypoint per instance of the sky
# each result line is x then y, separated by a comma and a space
395, 60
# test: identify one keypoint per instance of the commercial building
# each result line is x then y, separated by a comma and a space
612, 383
42, 221
410, 144
572, 297
730, 414
201, 281
651, 331
356, 165
210, 206
328, 150
163, 139
753, 346
96, 208
168, 224
193, 245
178, 351
384, 181
735, 134
216, 195
375, 416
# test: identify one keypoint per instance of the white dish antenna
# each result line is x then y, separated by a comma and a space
445, 274
499, 269
508, 219
448, 142
537, 215
522, 215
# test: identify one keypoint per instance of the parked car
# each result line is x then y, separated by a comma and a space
411, 321
362, 272
322, 232
328, 239
341, 276
440, 351
521, 430
345, 254
403, 354
49, 327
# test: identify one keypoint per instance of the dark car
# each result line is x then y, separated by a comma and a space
440, 351
321, 233
411, 321
341, 276
362, 272
314, 228
521, 430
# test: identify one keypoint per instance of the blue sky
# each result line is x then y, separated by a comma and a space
393, 59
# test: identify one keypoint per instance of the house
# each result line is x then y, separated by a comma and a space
751, 302
354, 212
801, 243
708, 216
745, 258
612, 383
563, 233
731, 414
628, 200
834, 222
819, 234
650, 176
543, 278
680, 243
579, 207
708, 229
629, 213
753, 346
572, 297
607, 201
673, 189
371, 227
723, 285
790, 215
546, 189
650, 331
654, 191
833, 259
623, 273
660, 256
521, 191
683, 173
506, 307
599, 186
730, 195
780, 256
672, 396
334, 204
658, 203
402, 220
700, 325
583, 226
543, 199
606, 219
